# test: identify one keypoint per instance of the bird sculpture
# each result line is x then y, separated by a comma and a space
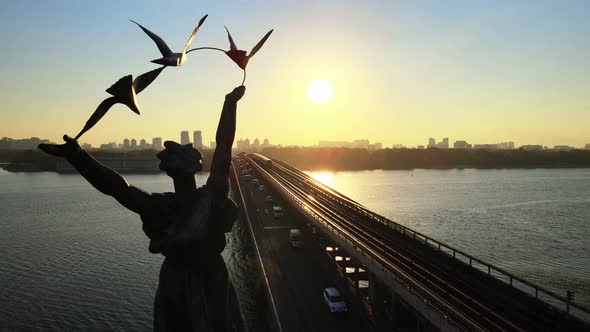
168, 57
239, 56
124, 91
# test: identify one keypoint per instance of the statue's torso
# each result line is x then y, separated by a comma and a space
190, 226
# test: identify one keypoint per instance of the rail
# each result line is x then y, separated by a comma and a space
547, 296
450, 314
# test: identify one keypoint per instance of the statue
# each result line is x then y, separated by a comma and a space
187, 226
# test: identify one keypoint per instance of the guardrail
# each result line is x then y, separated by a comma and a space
547, 296
270, 298
444, 310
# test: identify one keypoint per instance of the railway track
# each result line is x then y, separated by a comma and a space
465, 294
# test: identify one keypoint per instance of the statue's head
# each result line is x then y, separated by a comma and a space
178, 160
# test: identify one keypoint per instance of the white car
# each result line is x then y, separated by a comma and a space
334, 300
268, 198
255, 181
261, 187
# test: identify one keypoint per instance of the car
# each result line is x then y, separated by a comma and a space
296, 238
255, 181
334, 300
261, 187
277, 211
268, 198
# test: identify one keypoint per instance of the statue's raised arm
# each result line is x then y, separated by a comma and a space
218, 182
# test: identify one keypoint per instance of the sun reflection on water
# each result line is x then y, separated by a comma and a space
326, 178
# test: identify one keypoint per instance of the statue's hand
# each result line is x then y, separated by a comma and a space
61, 150
237, 94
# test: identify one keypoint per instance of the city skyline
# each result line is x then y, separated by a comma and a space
480, 71
257, 144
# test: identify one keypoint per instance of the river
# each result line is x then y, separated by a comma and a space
73, 259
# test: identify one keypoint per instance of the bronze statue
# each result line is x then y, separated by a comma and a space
187, 226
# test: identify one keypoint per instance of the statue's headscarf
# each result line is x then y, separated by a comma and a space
177, 159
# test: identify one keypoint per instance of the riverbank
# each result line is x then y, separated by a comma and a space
330, 159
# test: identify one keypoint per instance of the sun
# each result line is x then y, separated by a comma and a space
319, 91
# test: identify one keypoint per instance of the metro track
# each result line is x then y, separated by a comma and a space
467, 302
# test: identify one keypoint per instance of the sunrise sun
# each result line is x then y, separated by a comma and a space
319, 91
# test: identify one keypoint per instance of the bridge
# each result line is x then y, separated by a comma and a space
393, 277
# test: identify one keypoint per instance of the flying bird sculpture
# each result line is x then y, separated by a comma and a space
238, 56
124, 91
168, 57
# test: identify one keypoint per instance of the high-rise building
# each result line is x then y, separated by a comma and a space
587, 147
212, 145
266, 143
133, 143
256, 144
184, 139
197, 139
126, 144
431, 142
157, 143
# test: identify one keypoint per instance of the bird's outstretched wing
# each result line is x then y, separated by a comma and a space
257, 47
142, 81
232, 45
192, 37
164, 49
100, 111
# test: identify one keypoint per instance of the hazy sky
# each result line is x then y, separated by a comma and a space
402, 71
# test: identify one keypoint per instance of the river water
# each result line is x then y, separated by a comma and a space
74, 259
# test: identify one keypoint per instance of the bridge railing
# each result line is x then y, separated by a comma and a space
444, 310
549, 297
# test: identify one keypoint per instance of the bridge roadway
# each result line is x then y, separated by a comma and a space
297, 276
471, 299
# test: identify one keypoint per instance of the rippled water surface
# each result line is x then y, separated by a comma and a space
74, 259
533, 223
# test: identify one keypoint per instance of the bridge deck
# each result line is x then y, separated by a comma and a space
471, 297
297, 276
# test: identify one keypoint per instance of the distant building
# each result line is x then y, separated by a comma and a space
256, 144
361, 144
532, 147
357, 144
431, 142
265, 143
108, 146
133, 143
376, 146
143, 144
243, 144
420, 147
157, 143
21, 144
126, 144
497, 146
212, 145
459, 145
587, 147
184, 139
197, 139
444, 144
334, 144
397, 146
563, 148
